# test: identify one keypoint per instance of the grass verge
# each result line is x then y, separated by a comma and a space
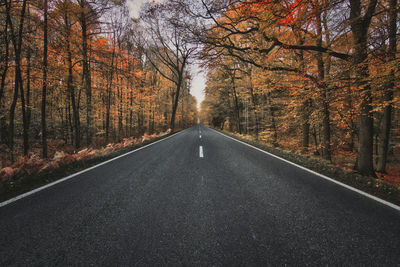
367, 184
19, 185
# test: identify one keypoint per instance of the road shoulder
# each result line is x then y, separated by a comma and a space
374, 188
21, 187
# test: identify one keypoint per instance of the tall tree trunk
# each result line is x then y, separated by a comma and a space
25, 100
120, 102
179, 71
44, 89
305, 127
120, 111
130, 109
28, 76
5, 62
176, 101
70, 124
255, 105
359, 26
326, 130
86, 71
28, 90
70, 85
388, 97
236, 102
18, 76
132, 70
3, 125
25, 133
109, 87
305, 106
272, 117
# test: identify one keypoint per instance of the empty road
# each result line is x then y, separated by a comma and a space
198, 198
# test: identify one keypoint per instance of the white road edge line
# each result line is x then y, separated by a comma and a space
384, 202
201, 155
4, 203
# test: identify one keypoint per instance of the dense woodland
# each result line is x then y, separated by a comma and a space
318, 77
81, 73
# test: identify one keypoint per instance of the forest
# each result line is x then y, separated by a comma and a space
77, 75
315, 77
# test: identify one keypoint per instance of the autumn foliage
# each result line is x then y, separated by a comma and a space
34, 164
314, 77
75, 82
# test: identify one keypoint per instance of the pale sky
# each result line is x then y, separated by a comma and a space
134, 7
199, 79
198, 84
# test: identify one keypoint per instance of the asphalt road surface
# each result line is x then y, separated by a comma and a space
198, 201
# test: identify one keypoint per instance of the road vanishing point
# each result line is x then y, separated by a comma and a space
198, 198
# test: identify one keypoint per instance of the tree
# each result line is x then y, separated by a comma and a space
18, 82
44, 88
61, 63
388, 94
67, 13
359, 27
283, 38
167, 45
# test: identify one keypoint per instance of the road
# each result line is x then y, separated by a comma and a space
167, 205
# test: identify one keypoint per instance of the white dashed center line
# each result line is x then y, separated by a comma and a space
201, 155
